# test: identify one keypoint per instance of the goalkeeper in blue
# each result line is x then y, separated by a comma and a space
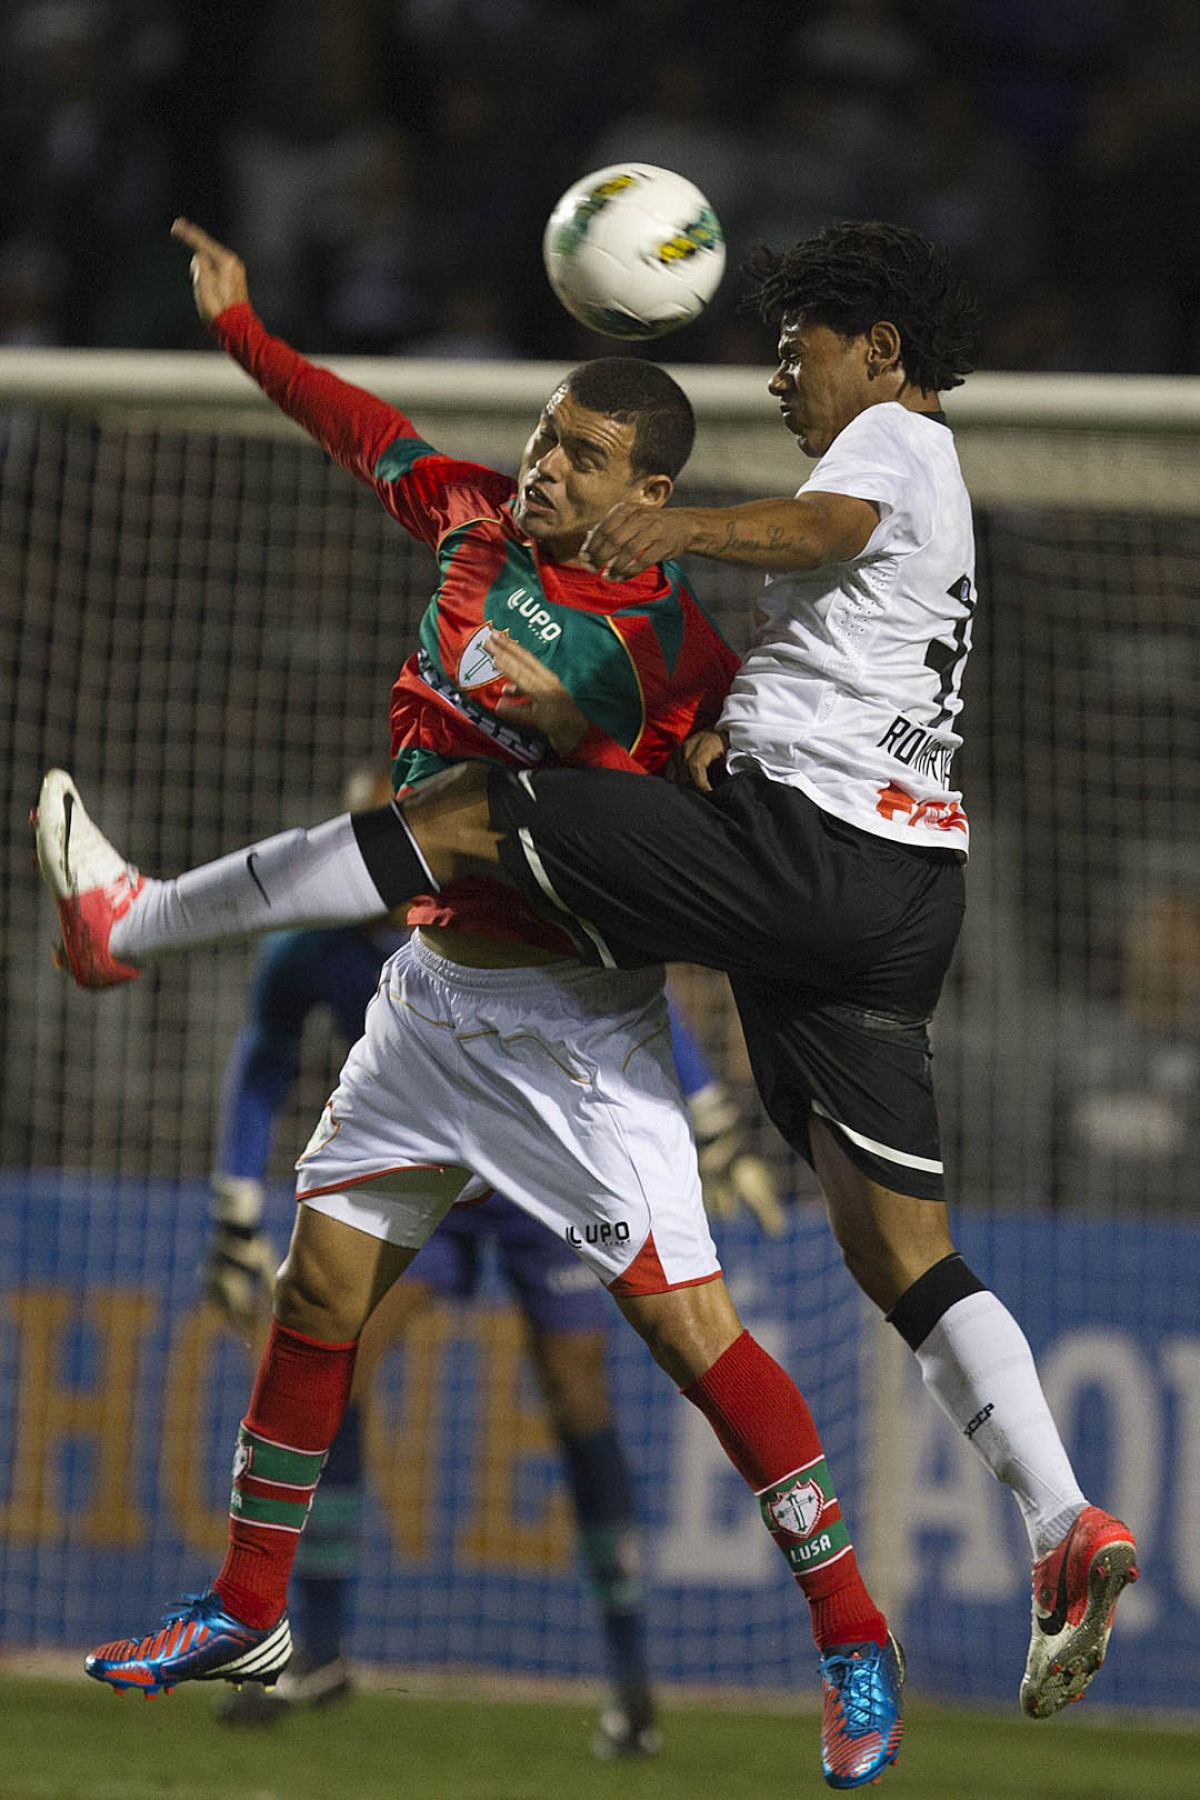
563, 1306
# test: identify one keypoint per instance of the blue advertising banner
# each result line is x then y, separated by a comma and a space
120, 1392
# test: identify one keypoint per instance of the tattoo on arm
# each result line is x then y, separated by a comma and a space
734, 542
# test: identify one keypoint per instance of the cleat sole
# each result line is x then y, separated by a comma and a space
1068, 1679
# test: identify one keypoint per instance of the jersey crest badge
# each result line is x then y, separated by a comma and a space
475, 666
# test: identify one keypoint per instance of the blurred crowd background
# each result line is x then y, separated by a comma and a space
386, 166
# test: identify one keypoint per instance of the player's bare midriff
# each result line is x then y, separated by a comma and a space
476, 952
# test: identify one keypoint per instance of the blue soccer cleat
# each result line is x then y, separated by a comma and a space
861, 1725
198, 1641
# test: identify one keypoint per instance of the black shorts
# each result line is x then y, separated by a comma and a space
836, 941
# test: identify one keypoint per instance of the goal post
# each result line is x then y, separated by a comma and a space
202, 618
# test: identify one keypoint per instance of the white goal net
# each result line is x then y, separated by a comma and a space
202, 617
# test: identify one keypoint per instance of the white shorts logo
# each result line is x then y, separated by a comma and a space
798, 1511
327, 1128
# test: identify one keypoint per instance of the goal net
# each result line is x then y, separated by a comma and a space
202, 618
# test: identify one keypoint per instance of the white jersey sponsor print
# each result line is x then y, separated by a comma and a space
852, 687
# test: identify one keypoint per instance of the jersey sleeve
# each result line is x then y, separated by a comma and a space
872, 459
428, 493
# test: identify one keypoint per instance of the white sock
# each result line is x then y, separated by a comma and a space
299, 878
979, 1368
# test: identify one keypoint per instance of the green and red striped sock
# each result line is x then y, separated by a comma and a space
767, 1431
300, 1395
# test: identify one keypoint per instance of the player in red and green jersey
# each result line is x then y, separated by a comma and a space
488, 533
490, 1054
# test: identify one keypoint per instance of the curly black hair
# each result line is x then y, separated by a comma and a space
853, 274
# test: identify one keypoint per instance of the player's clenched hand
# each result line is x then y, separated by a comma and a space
631, 538
697, 759
218, 276
534, 697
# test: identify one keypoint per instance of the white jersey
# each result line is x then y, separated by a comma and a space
851, 689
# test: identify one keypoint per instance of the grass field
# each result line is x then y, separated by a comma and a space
74, 1741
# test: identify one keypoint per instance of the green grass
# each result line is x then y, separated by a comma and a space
74, 1741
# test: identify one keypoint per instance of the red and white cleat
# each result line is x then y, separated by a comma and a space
1076, 1587
92, 884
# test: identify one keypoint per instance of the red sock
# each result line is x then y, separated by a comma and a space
299, 1397
767, 1431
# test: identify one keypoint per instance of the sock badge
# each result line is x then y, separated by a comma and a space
802, 1514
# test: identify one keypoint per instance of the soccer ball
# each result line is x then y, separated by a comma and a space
633, 251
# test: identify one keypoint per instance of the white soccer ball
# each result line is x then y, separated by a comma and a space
633, 251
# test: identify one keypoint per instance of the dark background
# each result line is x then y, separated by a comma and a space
386, 166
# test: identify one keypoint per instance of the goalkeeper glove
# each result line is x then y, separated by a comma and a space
239, 1270
731, 1175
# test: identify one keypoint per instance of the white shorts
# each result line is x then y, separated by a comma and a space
554, 1085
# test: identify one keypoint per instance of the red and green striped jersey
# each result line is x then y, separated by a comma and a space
638, 657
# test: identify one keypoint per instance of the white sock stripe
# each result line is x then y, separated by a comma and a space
292, 1487
265, 1525
434, 885
278, 1444
802, 1470
926, 1163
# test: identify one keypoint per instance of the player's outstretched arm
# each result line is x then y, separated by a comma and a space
218, 274
351, 425
804, 532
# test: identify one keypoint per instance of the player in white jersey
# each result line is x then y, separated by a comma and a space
814, 851
850, 690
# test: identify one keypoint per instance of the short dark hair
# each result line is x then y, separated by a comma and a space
851, 275
641, 394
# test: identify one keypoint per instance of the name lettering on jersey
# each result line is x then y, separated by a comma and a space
918, 749
602, 1233
530, 608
